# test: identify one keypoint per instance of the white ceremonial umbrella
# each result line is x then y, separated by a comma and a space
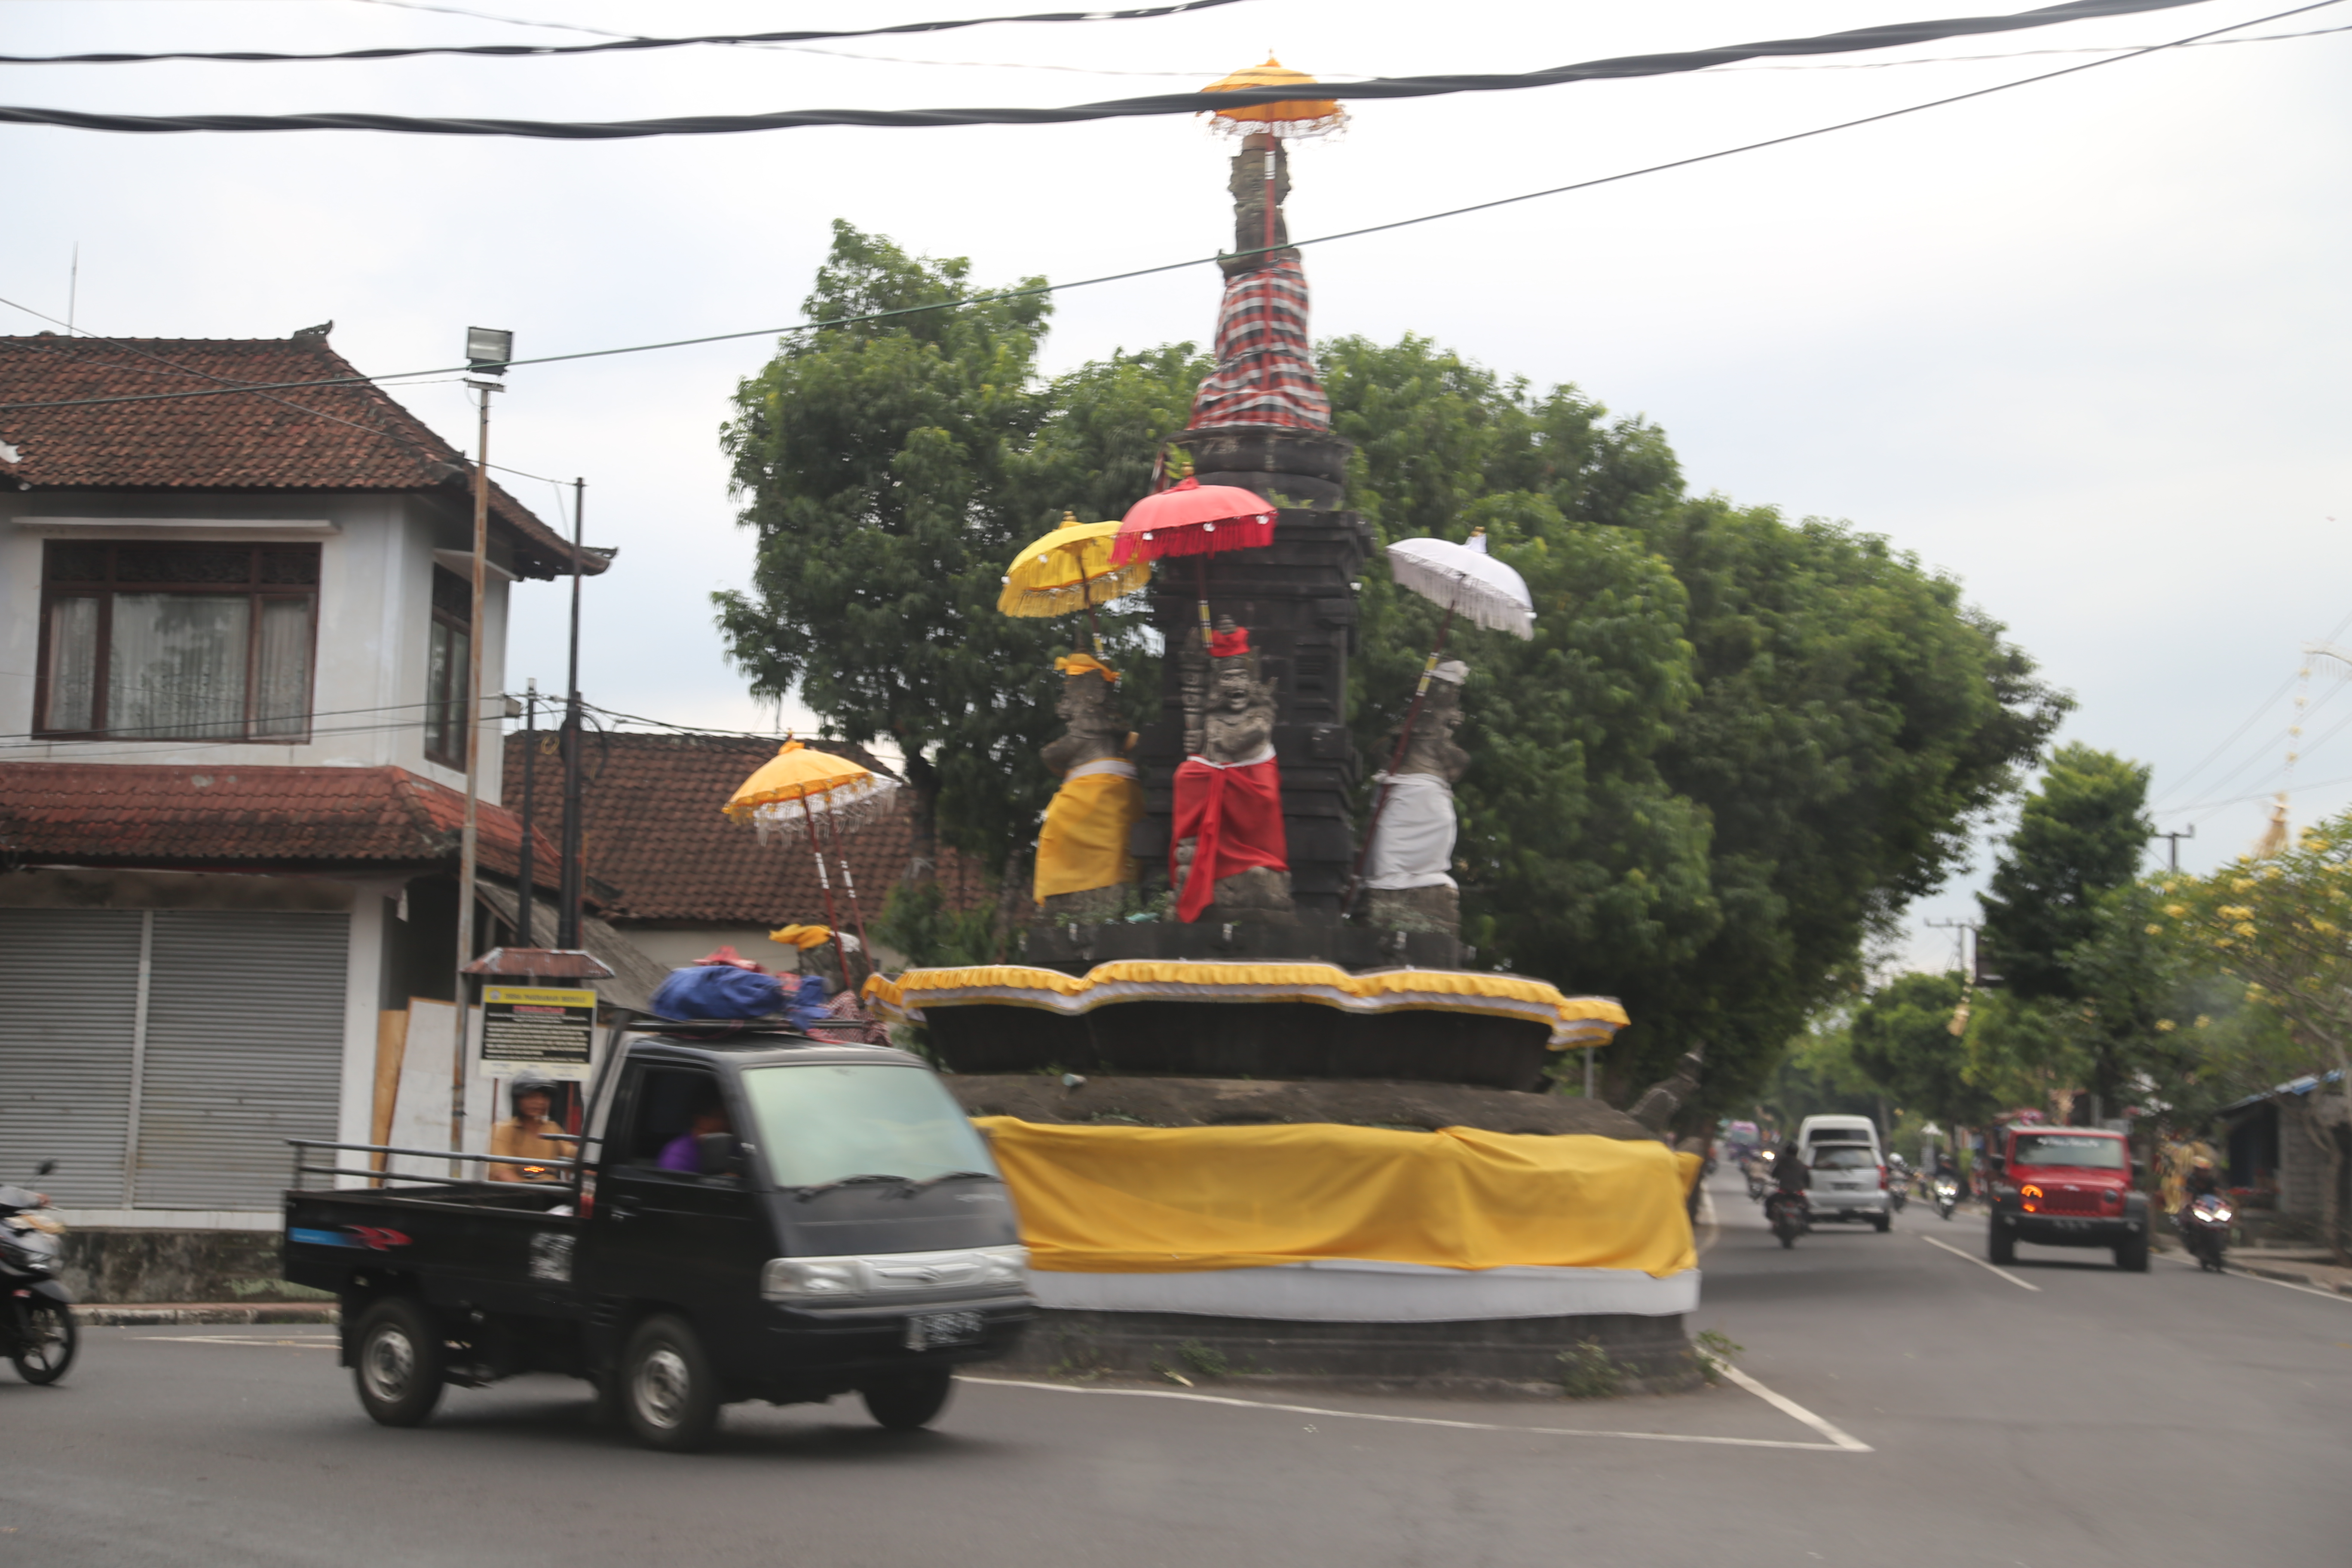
1467, 581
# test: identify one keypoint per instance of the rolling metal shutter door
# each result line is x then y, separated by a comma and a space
68, 1007
245, 1049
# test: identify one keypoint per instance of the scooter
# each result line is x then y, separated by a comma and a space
1790, 1215
36, 1323
1898, 1184
2204, 1227
1760, 1173
1947, 1195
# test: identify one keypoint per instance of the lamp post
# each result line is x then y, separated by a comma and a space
488, 351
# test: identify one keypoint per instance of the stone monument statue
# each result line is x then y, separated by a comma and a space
1083, 869
1229, 858
1407, 869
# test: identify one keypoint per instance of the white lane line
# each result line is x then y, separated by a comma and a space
316, 1344
1790, 1408
2020, 1284
1840, 1443
2260, 1279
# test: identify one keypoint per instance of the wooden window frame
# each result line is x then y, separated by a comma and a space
104, 591
460, 676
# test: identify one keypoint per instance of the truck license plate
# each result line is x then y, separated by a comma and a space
927, 1330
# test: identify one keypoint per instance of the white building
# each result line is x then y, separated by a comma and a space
233, 632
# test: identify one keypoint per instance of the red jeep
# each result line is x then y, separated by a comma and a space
2067, 1187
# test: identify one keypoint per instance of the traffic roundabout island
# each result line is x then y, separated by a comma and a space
1368, 1220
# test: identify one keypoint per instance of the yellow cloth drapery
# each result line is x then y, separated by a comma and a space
1150, 1200
1084, 842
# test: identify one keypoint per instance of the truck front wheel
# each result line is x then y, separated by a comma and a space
400, 1361
908, 1404
668, 1394
2000, 1244
2131, 1257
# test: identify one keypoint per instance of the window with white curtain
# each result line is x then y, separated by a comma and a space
177, 641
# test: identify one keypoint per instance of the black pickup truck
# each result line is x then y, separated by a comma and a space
753, 1214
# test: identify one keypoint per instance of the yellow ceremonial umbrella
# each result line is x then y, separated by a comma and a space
1070, 569
1287, 118
849, 790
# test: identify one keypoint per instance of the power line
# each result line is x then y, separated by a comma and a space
1035, 290
1385, 88
612, 41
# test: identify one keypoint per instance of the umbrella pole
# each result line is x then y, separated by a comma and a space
840, 953
856, 912
1094, 627
1201, 588
1396, 758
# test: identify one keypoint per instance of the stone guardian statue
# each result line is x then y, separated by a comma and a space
1408, 877
1231, 859
1083, 869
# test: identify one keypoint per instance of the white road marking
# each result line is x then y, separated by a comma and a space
2020, 1284
1789, 1407
2259, 1279
1839, 1441
315, 1343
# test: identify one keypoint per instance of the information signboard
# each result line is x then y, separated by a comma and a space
538, 1029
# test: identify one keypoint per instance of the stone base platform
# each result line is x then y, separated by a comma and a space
1505, 1356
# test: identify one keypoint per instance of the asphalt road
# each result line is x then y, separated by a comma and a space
1931, 1411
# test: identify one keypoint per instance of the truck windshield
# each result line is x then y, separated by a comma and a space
2077, 1148
823, 1122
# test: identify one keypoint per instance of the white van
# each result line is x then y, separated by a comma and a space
1849, 1169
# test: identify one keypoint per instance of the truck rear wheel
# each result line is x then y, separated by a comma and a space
398, 1362
668, 1394
910, 1402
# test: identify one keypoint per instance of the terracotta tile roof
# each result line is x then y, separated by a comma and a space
657, 848
236, 816
309, 438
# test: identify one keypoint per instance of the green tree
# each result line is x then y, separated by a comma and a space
1903, 1039
890, 469
1736, 745
2080, 837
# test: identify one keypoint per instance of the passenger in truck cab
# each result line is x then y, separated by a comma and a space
680, 1152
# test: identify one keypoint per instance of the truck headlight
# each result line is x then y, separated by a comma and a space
810, 1280
1003, 1267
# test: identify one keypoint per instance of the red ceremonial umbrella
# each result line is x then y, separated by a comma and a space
1192, 519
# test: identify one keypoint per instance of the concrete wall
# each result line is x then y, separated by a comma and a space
375, 582
119, 1266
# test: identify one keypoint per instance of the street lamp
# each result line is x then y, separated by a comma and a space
488, 351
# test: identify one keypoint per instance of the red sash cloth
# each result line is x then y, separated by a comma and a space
1234, 815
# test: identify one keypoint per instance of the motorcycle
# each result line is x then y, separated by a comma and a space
2204, 1227
1790, 1215
36, 1323
1898, 1183
1947, 1195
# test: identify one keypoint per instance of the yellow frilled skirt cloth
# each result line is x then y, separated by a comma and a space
1084, 842
1149, 1200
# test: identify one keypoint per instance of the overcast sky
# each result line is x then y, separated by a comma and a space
2082, 345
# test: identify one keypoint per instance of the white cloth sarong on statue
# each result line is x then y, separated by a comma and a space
1413, 844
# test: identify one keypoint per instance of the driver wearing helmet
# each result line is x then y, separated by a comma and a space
524, 1136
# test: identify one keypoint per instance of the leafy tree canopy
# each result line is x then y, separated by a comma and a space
1903, 1039
2080, 835
1736, 745
890, 469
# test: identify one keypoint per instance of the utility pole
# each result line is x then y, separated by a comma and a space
488, 351
569, 880
2172, 845
526, 872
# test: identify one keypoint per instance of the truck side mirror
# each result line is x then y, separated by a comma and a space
715, 1154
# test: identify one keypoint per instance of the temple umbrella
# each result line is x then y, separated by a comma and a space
1196, 520
850, 791
1469, 582
1071, 569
